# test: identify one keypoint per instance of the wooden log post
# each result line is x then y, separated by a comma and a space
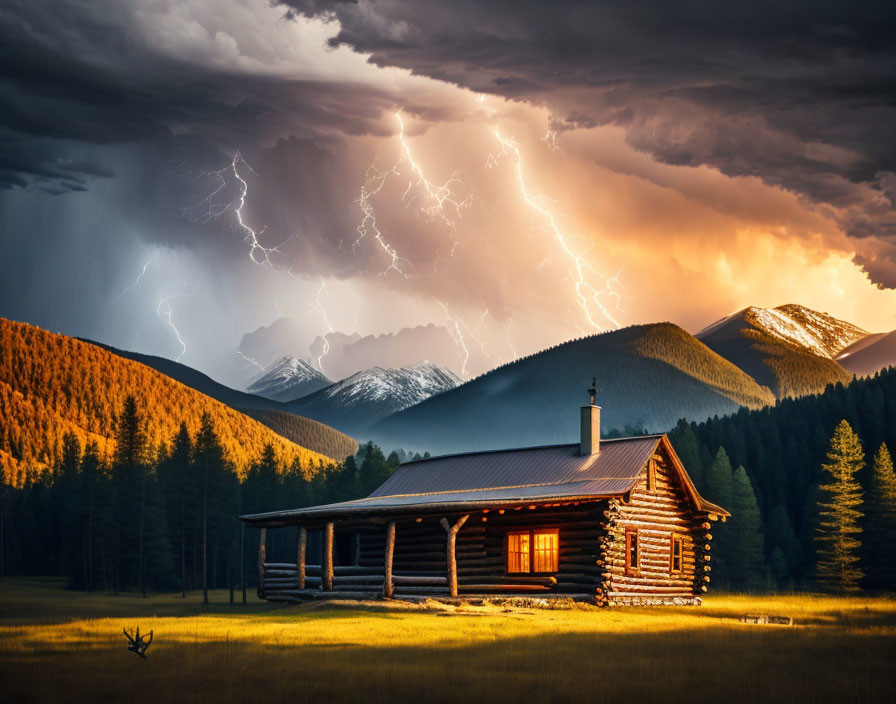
356, 548
388, 583
300, 557
262, 558
326, 582
452, 531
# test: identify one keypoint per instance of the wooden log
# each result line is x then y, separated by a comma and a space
327, 559
281, 573
355, 569
419, 581
452, 531
356, 586
300, 557
279, 565
388, 580
508, 579
415, 589
484, 588
358, 578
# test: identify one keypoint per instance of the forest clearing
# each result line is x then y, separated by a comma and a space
60, 645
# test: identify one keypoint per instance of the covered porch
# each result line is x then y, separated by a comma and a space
414, 554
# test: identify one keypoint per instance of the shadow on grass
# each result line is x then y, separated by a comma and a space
711, 665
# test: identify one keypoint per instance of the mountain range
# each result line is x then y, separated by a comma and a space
648, 376
349, 406
359, 401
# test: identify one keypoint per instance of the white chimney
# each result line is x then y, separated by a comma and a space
590, 427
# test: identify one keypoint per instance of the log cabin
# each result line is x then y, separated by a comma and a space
612, 522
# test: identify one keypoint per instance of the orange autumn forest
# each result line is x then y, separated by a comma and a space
51, 385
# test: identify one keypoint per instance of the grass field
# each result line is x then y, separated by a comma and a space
57, 645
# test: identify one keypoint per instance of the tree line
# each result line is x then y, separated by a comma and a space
162, 517
810, 485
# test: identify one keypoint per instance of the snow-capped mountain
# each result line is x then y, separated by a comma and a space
358, 401
818, 333
790, 349
287, 379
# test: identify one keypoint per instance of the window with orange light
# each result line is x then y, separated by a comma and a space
533, 551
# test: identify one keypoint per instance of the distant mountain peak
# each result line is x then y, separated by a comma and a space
366, 396
289, 378
819, 333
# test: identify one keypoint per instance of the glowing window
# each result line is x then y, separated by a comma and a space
533, 551
518, 552
632, 551
677, 558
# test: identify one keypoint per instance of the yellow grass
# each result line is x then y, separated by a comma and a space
57, 645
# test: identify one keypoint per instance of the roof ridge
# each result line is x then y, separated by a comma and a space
469, 453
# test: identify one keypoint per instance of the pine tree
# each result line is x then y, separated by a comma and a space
880, 524
719, 490
746, 558
838, 525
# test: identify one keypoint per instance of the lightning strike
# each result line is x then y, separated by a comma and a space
550, 138
439, 201
588, 297
320, 310
165, 313
375, 179
457, 335
213, 208
251, 362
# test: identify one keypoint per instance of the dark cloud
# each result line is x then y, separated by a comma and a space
80, 71
800, 94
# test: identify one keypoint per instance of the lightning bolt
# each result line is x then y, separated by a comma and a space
251, 362
457, 335
212, 208
136, 281
320, 310
165, 312
374, 181
437, 198
439, 201
589, 297
550, 138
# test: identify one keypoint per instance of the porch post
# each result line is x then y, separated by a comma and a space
300, 557
452, 531
326, 581
390, 551
262, 554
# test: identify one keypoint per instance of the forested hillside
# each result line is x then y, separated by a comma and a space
778, 349
52, 384
782, 449
309, 433
648, 376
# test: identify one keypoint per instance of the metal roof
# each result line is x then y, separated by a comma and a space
501, 477
554, 464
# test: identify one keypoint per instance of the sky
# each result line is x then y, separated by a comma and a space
372, 182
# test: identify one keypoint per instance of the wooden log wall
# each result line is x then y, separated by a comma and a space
481, 550
656, 512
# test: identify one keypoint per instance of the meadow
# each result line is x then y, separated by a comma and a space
59, 645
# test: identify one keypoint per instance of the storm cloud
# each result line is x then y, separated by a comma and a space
174, 175
799, 94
